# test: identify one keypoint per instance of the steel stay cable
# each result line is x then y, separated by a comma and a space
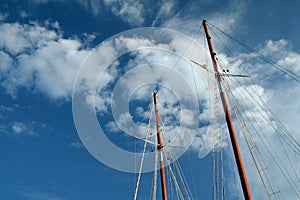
286, 170
181, 174
174, 178
214, 174
265, 107
193, 179
270, 179
222, 170
253, 146
292, 141
272, 193
180, 57
289, 159
274, 128
242, 126
259, 160
170, 154
235, 182
234, 175
266, 146
278, 164
289, 73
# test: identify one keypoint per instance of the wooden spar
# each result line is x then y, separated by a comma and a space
160, 148
233, 139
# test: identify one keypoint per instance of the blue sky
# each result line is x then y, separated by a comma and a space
44, 42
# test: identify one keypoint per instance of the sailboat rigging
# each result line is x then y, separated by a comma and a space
237, 154
160, 148
227, 97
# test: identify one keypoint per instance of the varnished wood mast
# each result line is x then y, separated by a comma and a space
233, 139
160, 148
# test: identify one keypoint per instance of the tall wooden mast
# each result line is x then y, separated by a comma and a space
236, 151
160, 148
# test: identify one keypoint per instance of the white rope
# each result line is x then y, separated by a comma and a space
175, 180
155, 177
143, 156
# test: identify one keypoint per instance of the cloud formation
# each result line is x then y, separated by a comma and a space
39, 58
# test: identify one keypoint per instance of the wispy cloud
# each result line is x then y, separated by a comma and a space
76, 145
3, 16
33, 195
129, 10
21, 128
23, 14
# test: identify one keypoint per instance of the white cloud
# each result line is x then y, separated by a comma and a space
19, 38
3, 16
6, 62
23, 14
166, 9
134, 12
95, 6
98, 101
20, 128
76, 145
39, 58
291, 60
187, 21
4, 108
132, 43
129, 10
37, 195
188, 117
112, 127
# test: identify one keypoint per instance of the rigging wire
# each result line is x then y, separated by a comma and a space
283, 130
175, 181
174, 178
182, 191
154, 182
273, 186
193, 179
217, 155
272, 153
286, 134
217, 148
232, 167
170, 156
183, 179
214, 184
232, 100
238, 113
143, 155
243, 126
180, 57
266, 113
284, 70
250, 148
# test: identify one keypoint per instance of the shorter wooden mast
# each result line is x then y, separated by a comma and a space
233, 139
160, 148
